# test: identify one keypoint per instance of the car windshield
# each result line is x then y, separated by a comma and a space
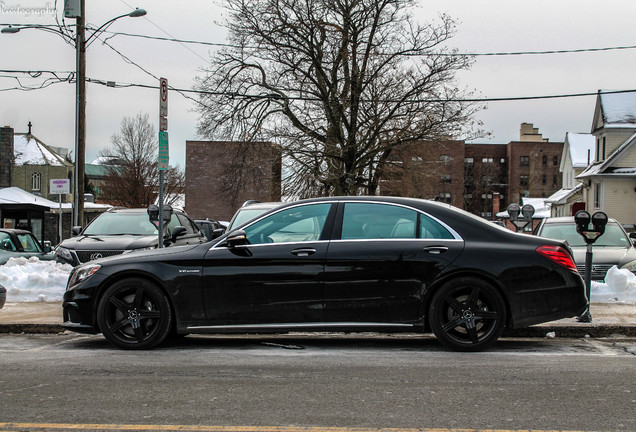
121, 223
614, 235
29, 243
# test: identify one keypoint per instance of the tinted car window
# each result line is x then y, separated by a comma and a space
187, 223
29, 244
6, 243
296, 224
385, 221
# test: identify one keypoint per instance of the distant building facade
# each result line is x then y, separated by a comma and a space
222, 175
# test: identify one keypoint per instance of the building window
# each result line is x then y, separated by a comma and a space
525, 161
603, 148
502, 161
555, 160
446, 159
469, 161
487, 160
447, 178
554, 180
545, 160
36, 182
523, 181
598, 149
544, 179
597, 195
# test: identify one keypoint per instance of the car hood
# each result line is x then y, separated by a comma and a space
147, 255
109, 242
618, 256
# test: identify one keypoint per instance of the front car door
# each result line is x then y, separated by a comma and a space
276, 277
381, 260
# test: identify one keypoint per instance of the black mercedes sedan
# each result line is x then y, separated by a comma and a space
334, 264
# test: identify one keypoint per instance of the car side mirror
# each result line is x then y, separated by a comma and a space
46, 246
178, 232
76, 230
632, 237
237, 238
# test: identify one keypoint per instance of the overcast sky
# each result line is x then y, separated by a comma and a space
483, 27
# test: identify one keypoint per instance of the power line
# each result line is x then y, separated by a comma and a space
248, 96
454, 54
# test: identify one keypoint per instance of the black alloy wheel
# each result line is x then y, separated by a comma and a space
134, 314
467, 314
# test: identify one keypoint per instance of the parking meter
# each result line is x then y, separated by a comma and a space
153, 213
590, 235
513, 211
527, 211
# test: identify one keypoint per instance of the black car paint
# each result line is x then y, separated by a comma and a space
215, 288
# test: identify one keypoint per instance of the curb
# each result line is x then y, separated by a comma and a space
540, 331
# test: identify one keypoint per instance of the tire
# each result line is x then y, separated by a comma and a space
467, 314
134, 314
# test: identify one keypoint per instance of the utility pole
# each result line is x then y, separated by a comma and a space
80, 119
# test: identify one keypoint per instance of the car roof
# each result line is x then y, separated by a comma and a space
261, 205
15, 231
135, 210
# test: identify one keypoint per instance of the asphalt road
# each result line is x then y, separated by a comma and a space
316, 384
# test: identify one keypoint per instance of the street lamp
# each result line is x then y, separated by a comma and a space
80, 95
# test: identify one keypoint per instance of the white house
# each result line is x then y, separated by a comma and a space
578, 153
610, 181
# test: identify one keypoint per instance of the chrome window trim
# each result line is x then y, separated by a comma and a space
456, 236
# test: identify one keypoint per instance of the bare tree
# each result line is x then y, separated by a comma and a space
338, 84
133, 175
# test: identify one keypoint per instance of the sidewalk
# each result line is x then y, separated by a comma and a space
608, 319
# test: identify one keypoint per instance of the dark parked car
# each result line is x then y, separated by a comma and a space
614, 248
120, 231
3, 296
211, 229
15, 243
334, 264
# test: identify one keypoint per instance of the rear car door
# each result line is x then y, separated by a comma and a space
277, 276
381, 261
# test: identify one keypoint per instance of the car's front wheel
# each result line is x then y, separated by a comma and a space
134, 314
467, 314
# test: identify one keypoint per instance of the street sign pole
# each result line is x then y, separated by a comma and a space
164, 152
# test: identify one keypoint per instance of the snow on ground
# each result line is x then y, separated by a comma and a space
32, 280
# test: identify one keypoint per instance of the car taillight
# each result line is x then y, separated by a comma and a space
559, 255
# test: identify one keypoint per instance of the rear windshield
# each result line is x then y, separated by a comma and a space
614, 235
121, 223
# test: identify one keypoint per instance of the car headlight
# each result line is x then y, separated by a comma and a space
631, 266
64, 253
82, 273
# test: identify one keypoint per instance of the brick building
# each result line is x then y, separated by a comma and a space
221, 175
480, 178
427, 169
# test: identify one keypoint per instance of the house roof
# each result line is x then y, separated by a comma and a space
562, 195
615, 110
15, 195
29, 150
609, 167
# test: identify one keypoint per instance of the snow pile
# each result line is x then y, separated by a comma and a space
32, 280
619, 286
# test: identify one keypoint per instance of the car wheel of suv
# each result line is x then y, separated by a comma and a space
134, 314
467, 314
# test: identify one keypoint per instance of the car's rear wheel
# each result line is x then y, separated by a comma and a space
467, 314
134, 314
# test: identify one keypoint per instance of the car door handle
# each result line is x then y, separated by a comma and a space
303, 252
436, 249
